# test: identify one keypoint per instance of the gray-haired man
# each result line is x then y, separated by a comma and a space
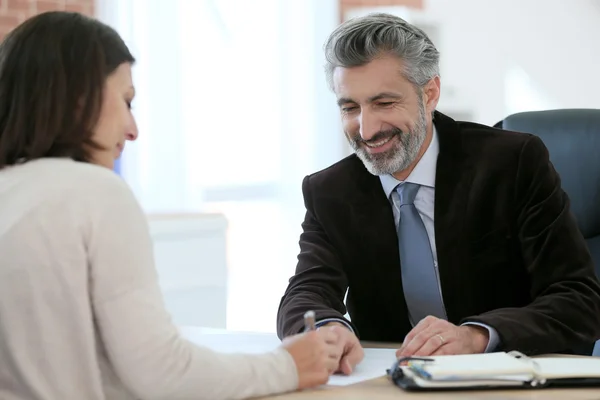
451, 237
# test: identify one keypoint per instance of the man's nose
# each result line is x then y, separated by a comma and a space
369, 126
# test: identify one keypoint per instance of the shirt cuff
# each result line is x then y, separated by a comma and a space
322, 322
494, 339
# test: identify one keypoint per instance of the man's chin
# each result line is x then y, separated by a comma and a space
376, 167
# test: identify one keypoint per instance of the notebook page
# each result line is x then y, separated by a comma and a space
569, 367
476, 366
374, 365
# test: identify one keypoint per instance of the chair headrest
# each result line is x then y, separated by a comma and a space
572, 137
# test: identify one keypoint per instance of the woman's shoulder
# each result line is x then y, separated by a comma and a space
61, 192
71, 181
77, 175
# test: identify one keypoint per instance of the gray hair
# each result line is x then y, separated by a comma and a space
359, 41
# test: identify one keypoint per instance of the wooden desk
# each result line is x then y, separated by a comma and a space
383, 389
380, 388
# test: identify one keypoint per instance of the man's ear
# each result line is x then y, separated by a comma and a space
431, 94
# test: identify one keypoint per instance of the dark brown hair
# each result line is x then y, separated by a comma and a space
53, 68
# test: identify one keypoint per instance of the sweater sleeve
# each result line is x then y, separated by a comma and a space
145, 348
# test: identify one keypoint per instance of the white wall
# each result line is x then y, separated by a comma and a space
554, 42
505, 56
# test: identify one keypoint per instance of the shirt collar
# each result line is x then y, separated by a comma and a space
423, 173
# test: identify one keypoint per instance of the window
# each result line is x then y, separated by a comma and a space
233, 111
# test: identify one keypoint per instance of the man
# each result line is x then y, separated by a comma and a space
450, 237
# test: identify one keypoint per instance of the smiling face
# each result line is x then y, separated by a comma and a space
116, 123
385, 118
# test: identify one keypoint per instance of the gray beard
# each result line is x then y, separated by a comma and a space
399, 157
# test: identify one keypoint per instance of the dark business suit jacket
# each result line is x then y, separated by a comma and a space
509, 252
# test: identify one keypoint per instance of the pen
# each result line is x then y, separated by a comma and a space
309, 321
419, 370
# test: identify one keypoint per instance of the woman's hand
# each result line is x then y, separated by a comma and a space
316, 354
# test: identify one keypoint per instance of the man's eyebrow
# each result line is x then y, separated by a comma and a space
344, 100
385, 95
372, 99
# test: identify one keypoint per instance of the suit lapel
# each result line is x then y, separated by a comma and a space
454, 175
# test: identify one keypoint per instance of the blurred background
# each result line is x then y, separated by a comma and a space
233, 111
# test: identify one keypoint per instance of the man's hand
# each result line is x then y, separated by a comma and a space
350, 348
433, 337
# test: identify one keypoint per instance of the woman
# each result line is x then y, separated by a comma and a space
81, 313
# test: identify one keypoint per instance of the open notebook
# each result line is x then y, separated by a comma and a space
494, 370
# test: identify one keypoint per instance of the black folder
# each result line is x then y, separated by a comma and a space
498, 370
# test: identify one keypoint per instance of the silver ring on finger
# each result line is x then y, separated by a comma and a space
441, 339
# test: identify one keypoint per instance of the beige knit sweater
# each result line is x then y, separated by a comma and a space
81, 313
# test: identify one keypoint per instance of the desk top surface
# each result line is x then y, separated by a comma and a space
382, 389
379, 388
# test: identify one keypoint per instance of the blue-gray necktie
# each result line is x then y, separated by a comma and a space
419, 280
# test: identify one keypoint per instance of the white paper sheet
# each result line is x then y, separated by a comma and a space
374, 364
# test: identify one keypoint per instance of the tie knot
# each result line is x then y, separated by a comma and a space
408, 192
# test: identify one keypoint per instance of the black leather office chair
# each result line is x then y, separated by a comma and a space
572, 137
